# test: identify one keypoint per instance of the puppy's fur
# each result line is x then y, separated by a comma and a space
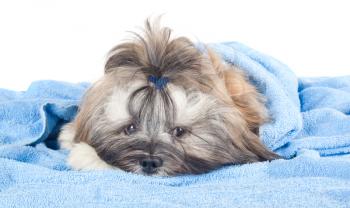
204, 115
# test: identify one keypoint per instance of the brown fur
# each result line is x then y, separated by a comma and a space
244, 95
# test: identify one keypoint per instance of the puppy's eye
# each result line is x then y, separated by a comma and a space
179, 132
130, 129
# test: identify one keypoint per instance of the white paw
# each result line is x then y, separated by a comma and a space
66, 137
84, 157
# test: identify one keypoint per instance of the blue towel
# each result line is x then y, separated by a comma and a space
310, 127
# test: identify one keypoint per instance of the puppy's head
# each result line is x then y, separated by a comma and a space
165, 108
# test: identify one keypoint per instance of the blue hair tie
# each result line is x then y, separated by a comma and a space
159, 82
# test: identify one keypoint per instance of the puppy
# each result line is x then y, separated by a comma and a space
164, 107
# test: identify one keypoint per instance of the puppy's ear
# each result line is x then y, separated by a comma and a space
243, 94
251, 105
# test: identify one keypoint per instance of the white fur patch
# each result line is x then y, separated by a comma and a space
66, 137
117, 106
190, 106
84, 157
116, 109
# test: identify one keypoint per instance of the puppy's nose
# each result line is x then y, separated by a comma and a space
150, 165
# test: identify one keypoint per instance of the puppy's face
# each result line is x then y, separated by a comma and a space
165, 108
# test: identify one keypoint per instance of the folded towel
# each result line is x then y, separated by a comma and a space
310, 124
29, 117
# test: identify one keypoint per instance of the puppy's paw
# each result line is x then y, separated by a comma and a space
84, 157
66, 137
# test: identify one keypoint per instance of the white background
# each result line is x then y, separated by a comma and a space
68, 40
